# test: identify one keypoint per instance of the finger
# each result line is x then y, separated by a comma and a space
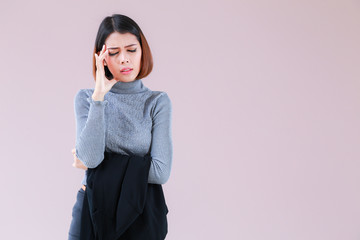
102, 50
113, 81
102, 56
96, 58
98, 63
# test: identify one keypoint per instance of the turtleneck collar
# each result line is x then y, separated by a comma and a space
135, 86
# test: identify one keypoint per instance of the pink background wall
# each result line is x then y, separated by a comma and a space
266, 114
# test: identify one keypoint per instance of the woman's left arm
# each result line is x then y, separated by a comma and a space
161, 142
77, 163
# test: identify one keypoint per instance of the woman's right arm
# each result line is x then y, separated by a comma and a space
90, 128
90, 116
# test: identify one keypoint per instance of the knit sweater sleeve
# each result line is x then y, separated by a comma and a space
90, 128
161, 143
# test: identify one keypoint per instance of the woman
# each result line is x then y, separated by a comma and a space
121, 114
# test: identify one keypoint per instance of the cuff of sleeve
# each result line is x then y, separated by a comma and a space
97, 103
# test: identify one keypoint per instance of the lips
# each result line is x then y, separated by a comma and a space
125, 69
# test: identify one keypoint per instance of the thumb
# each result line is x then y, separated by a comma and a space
113, 81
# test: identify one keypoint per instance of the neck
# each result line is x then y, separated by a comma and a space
135, 86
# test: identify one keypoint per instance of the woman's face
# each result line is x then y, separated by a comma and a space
124, 51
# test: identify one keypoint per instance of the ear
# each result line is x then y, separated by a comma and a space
105, 63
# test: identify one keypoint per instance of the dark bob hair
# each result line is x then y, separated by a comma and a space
123, 24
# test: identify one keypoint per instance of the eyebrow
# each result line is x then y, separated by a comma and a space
125, 46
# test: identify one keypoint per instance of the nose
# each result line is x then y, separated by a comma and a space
124, 58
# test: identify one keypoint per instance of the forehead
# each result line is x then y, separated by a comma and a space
121, 40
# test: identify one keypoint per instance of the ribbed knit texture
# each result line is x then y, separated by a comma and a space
132, 120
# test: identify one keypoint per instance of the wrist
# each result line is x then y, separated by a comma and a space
97, 97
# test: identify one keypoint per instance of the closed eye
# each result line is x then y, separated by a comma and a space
112, 54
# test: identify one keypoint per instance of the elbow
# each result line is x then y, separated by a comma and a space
159, 171
163, 178
90, 164
158, 179
90, 160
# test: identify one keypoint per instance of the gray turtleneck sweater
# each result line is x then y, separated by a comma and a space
132, 120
